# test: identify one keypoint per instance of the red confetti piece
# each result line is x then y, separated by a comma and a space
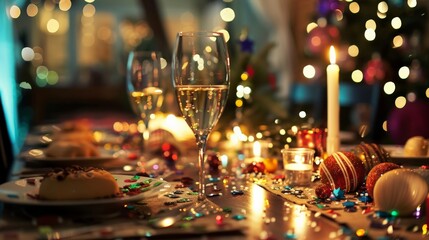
219, 220
132, 156
130, 180
367, 210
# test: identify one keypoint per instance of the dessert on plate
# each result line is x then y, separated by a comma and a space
78, 183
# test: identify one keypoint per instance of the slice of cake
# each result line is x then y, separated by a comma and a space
77, 183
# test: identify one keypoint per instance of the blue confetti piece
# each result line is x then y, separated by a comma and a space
213, 179
338, 193
381, 214
289, 235
365, 199
12, 196
349, 204
238, 217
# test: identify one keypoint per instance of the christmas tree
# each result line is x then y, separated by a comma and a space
378, 43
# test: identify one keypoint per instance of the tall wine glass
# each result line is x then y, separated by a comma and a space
144, 86
201, 79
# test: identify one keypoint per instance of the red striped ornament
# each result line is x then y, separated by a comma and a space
343, 170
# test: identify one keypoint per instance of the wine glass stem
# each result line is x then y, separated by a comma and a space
201, 143
145, 137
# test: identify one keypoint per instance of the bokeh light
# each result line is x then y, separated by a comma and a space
357, 76
384, 126
64, 5
404, 72
370, 34
353, 51
389, 87
27, 54
382, 7
52, 78
397, 41
400, 102
32, 10
354, 7
309, 71
412, 3
52, 25
227, 14
411, 96
225, 34
381, 15
396, 23
371, 24
311, 26
14, 11
88, 10
42, 72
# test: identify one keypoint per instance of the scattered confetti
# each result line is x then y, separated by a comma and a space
237, 192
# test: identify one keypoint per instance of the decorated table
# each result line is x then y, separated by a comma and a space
250, 201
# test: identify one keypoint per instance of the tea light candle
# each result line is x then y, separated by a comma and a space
332, 71
257, 149
298, 166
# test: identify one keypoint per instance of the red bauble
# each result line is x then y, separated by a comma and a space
370, 154
376, 173
214, 162
254, 167
342, 170
323, 191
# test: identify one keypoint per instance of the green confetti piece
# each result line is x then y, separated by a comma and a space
147, 181
188, 218
186, 225
145, 189
193, 193
320, 206
135, 177
227, 210
157, 184
134, 186
183, 200
125, 190
45, 230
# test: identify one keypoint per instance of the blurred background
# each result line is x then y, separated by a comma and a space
59, 57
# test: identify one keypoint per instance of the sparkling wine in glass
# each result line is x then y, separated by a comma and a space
201, 79
144, 86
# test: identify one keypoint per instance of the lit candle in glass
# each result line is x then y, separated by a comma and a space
257, 149
333, 72
298, 166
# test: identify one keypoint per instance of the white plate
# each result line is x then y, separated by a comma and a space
16, 192
38, 156
101, 137
397, 156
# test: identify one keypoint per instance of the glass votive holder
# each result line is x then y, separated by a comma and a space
298, 166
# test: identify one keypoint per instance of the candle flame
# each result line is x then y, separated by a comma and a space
332, 56
257, 149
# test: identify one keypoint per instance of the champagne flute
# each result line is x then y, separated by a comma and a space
144, 86
201, 79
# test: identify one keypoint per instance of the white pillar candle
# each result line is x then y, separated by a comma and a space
333, 72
